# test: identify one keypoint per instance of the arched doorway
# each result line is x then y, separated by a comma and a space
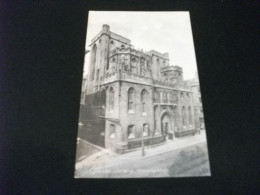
167, 126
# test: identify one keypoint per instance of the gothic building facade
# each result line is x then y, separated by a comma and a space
133, 96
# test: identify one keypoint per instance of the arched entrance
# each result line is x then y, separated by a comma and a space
167, 126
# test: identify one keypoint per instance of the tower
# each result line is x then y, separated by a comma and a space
98, 58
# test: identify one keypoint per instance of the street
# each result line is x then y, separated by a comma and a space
189, 161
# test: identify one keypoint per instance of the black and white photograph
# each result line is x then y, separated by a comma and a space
141, 112
129, 97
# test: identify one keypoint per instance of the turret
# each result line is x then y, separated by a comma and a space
105, 27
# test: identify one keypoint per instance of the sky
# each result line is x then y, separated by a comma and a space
160, 31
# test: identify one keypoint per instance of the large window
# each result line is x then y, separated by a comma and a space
93, 61
143, 100
131, 99
183, 116
131, 132
111, 99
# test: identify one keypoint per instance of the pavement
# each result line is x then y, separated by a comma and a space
106, 158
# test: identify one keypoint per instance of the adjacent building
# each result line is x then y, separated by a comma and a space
132, 96
197, 103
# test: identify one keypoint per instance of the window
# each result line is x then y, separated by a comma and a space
183, 116
112, 42
131, 96
112, 133
188, 96
111, 99
130, 132
122, 46
156, 96
143, 100
125, 67
93, 61
182, 95
145, 130
100, 40
164, 96
190, 116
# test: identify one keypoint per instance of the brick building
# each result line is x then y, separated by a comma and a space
132, 95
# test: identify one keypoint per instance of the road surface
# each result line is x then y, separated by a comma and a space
189, 161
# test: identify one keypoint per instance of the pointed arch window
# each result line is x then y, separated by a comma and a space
143, 100
93, 61
131, 98
111, 99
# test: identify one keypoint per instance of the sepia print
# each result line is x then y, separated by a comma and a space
141, 111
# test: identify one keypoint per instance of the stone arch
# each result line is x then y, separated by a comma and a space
167, 123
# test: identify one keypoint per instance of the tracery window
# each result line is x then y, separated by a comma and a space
131, 97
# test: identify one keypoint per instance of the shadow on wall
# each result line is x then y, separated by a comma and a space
91, 117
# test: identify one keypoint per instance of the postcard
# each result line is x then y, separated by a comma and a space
141, 112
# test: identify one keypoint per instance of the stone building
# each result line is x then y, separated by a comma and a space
197, 103
133, 95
